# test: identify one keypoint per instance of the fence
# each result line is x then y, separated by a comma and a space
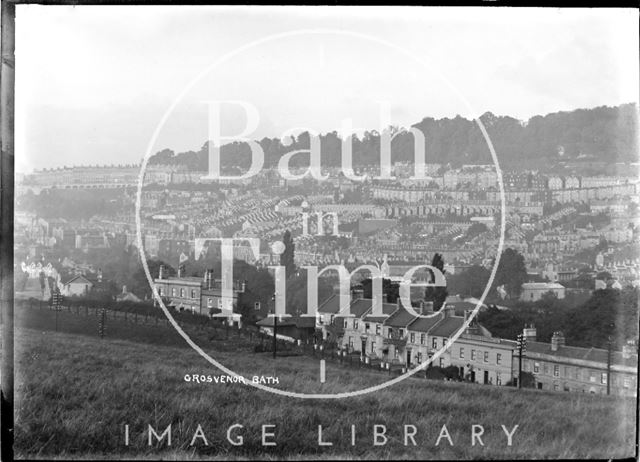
217, 330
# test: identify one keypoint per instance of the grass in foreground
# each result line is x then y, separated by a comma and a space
74, 394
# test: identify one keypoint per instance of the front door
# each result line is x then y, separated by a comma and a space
486, 377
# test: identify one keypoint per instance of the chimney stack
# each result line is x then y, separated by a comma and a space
629, 349
426, 307
449, 311
100, 275
557, 341
124, 289
161, 273
357, 293
530, 333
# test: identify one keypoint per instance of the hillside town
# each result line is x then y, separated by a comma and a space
576, 232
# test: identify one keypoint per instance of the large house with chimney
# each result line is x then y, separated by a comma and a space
199, 295
402, 338
557, 366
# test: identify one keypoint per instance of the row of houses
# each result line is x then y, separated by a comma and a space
449, 337
402, 338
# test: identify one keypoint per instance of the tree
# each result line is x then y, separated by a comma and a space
296, 301
512, 273
390, 288
287, 257
437, 295
471, 282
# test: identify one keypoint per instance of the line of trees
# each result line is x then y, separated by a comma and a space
606, 133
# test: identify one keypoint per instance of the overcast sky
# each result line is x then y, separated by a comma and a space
93, 82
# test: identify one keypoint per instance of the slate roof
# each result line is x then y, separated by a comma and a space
447, 326
586, 354
387, 308
82, 280
330, 305
424, 324
401, 318
301, 322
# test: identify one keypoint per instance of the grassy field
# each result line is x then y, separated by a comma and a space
75, 393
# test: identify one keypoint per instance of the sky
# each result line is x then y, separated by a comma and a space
94, 83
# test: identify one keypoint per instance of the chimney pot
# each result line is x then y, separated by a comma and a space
449, 311
530, 333
557, 341
629, 349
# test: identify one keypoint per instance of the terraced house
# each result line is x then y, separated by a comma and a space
198, 295
400, 337
556, 366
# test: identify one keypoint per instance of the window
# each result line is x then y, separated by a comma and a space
555, 387
434, 342
556, 370
592, 378
210, 303
486, 356
160, 291
182, 293
603, 378
378, 329
351, 343
498, 379
344, 324
173, 291
331, 318
395, 353
423, 339
419, 358
441, 362
498, 359
193, 293
461, 353
473, 355
413, 337
355, 323
390, 332
401, 332
373, 346
536, 368
366, 327
626, 382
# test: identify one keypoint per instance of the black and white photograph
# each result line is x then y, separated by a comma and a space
319, 232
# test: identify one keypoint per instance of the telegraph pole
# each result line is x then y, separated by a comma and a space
275, 327
609, 365
56, 302
522, 345
275, 338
